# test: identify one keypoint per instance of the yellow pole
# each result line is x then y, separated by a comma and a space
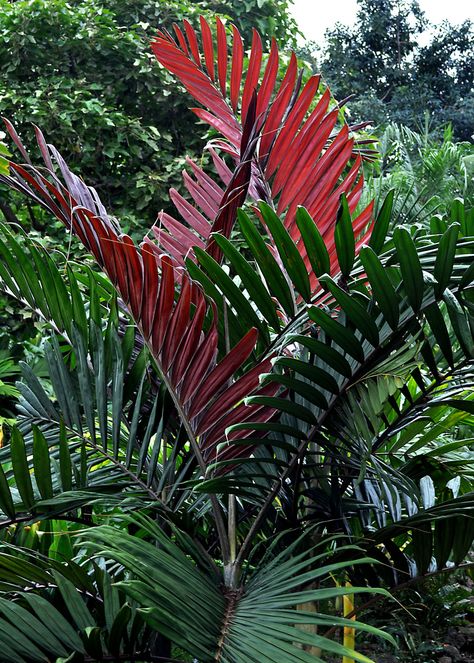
349, 632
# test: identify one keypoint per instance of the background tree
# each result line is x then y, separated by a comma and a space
400, 79
83, 70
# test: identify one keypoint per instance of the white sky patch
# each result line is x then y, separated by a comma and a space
314, 17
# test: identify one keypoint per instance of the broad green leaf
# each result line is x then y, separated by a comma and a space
21, 468
445, 258
317, 375
235, 328
422, 543
344, 238
41, 464
382, 287
250, 280
410, 267
313, 242
283, 405
55, 622
341, 335
305, 389
288, 252
118, 630
355, 311
75, 604
328, 354
274, 277
463, 538
16, 641
382, 222
444, 533
6, 501
459, 322
233, 293
465, 405
32, 627
440, 332
21, 268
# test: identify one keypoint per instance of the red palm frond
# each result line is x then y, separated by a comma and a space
302, 157
176, 320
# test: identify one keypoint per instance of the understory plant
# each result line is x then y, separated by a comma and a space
426, 169
258, 411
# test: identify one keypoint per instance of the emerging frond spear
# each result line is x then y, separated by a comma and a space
301, 158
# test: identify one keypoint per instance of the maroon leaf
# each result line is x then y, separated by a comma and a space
269, 79
292, 124
236, 70
223, 371
208, 47
221, 55
192, 40
253, 74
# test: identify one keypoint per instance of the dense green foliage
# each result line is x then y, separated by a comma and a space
396, 76
426, 172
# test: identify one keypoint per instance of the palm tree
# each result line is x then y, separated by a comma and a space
244, 413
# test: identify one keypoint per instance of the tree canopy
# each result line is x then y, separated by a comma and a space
384, 61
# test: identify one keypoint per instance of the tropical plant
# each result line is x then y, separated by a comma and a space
248, 410
84, 72
427, 171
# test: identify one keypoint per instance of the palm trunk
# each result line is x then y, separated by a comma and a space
312, 629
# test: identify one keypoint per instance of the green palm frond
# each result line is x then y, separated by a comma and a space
366, 375
81, 614
255, 622
113, 424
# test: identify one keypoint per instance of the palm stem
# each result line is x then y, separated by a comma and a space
216, 508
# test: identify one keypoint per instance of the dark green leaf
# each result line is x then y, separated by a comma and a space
355, 311
6, 501
288, 252
313, 373
381, 285
314, 244
438, 329
332, 357
344, 238
382, 222
233, 293
445, 258
274, 277
41, 464
250, 280
410, 267
342, 336
21, 468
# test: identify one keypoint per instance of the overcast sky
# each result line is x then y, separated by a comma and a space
315, 16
